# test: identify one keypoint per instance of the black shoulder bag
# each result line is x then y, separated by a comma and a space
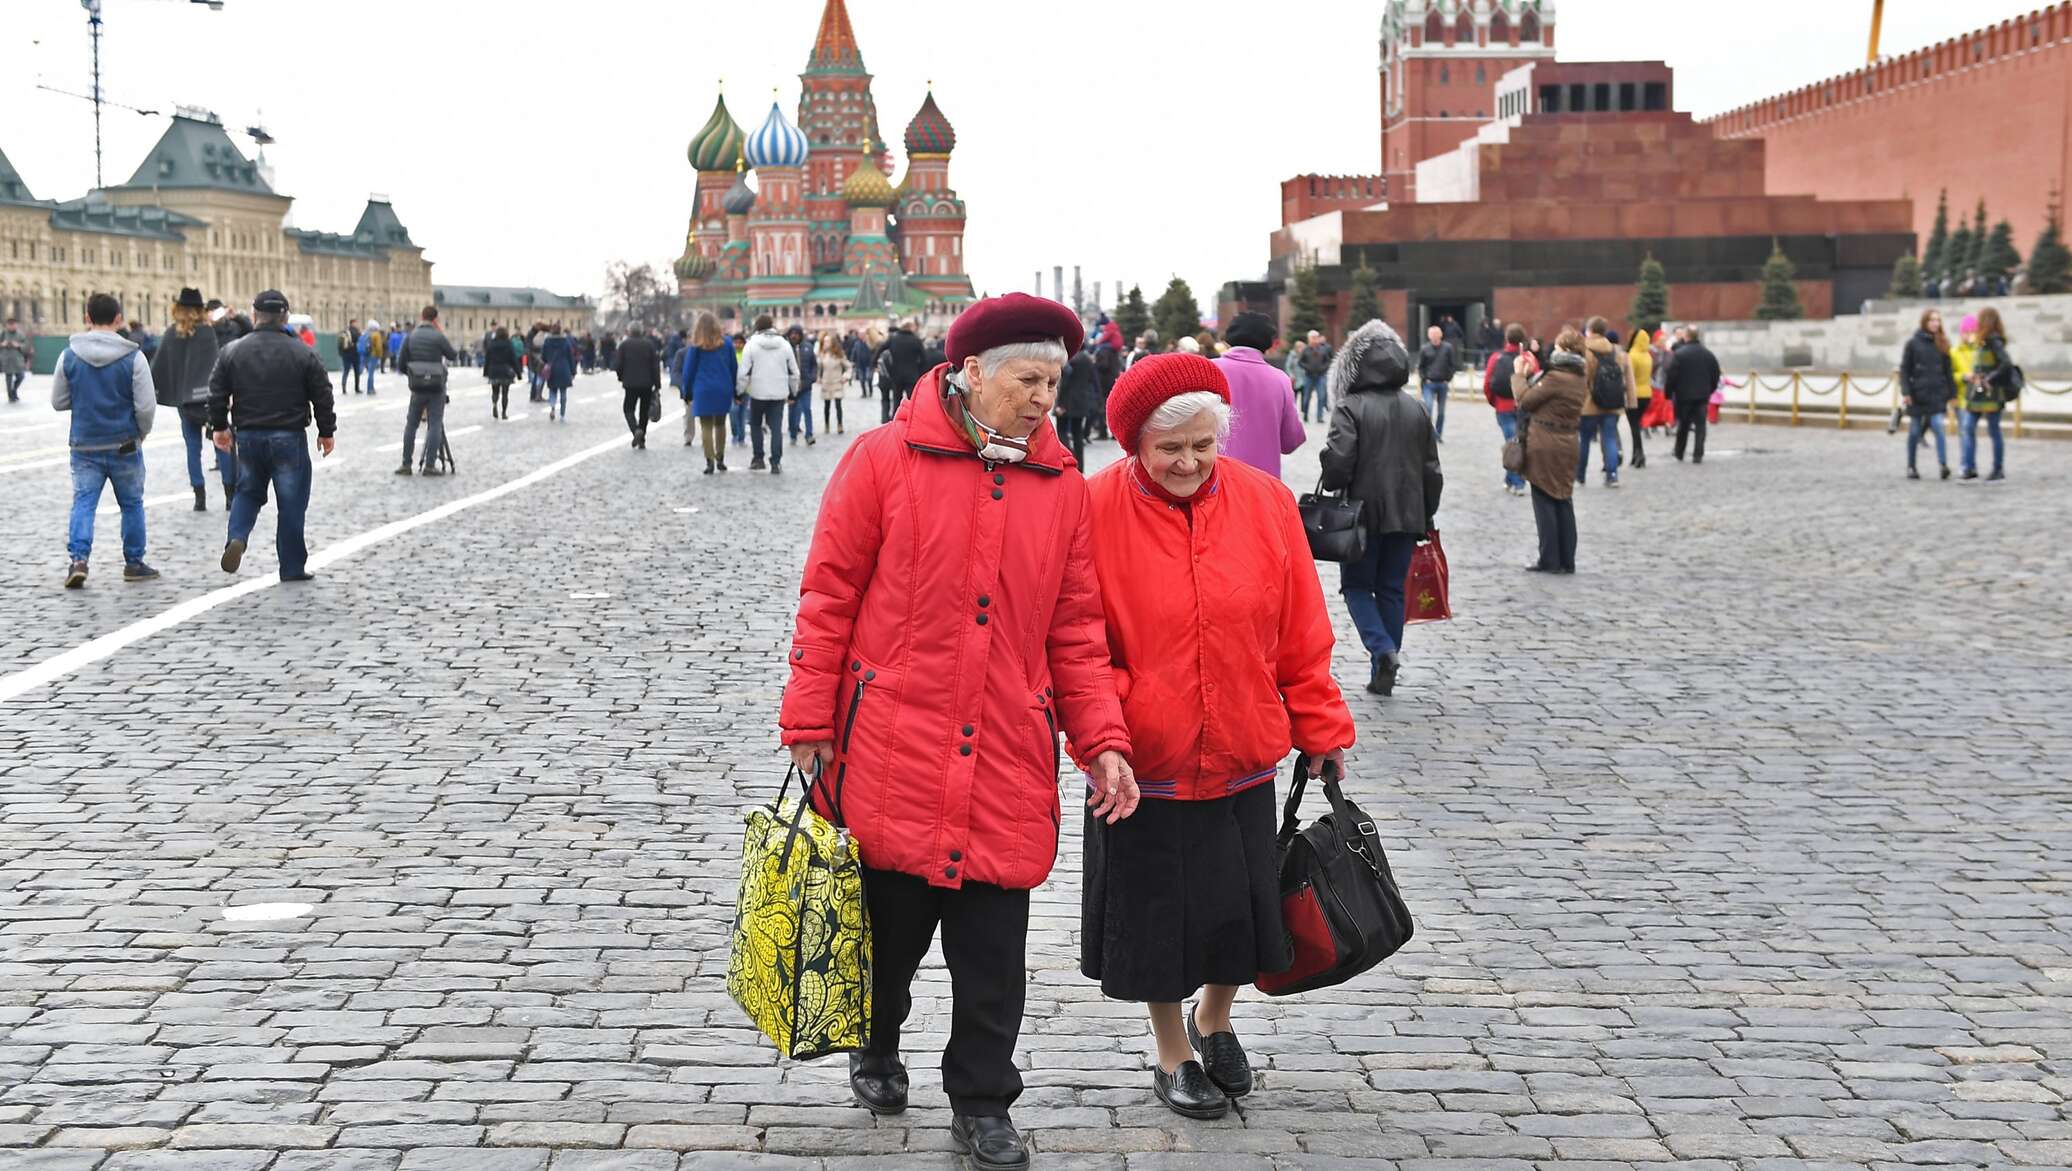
1339, 904
1332, 524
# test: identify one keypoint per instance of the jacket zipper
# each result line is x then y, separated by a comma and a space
842, 773
1057, 827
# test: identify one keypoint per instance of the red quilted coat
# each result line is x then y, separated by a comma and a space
949, 627
1220, 640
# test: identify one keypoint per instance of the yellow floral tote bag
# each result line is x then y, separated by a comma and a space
801, 960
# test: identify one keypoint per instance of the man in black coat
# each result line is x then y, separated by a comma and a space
422, 357
270, 385
905, 361
1079, 400
638, 363
1689, 380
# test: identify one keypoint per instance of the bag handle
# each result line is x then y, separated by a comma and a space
1351, 830
798, 816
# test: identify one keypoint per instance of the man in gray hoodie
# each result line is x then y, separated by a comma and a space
104, 381
770, 378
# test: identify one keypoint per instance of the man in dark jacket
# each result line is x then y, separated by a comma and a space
1437, 361
860, 358
905, 360
1926, 386
349, 355
638, 363
1316, 377
1382, 452
271, 385
422, 357
798, 412
1692, 376
1079, 400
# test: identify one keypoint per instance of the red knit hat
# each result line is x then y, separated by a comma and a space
1149, 382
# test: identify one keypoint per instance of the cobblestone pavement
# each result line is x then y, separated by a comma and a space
1749, 846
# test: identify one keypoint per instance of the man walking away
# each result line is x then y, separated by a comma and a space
104, 381
1437, 360
1316, 376
370, 352
271, 386
1609, 375
423, 356
904, 359
638, 363
349, 356
809, 373
770, 377
1496, 387
1692, 376
14, 358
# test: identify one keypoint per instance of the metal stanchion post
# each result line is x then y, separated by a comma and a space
1842, 415
1751, 396
1794, 398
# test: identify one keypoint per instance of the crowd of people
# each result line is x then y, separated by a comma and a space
1975, 377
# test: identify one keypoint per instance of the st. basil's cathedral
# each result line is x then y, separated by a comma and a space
824, 239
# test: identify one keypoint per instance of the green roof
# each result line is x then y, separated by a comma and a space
196, 154
505, 297
379, 225
12, 188
95, 214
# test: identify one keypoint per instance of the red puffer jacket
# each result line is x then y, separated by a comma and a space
949, 626
1217, 630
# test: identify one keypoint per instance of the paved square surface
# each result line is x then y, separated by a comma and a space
1749, 846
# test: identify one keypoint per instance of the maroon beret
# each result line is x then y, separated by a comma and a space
1149, 382
1011, 318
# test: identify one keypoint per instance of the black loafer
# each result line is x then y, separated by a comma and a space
880, 1083
1189, 1091
993, 1143
1222, 1058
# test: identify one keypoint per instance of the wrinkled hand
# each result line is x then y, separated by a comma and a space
1335, 756
806, 752
222, 441
1114, 794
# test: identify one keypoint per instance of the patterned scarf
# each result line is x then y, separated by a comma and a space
993, 447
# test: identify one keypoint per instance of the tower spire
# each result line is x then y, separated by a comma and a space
834, 48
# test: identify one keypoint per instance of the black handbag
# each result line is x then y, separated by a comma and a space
1339, 904
1332, 524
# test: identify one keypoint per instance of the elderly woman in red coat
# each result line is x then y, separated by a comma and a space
949, 628
1221, 650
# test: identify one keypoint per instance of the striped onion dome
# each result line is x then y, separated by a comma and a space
740, 198
693, 266
718, 142
777, 144
867, 186
930, 132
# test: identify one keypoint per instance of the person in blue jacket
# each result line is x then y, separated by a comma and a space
705, 372
558, 355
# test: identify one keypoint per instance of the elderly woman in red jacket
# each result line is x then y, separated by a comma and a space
1221, 650
949, 628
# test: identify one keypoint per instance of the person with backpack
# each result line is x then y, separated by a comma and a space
349, 355
1992, 382
1610, 379
422, 358
103, 380
1437, 361
1496, 388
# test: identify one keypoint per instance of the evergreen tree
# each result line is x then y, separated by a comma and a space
1958, 256
1933, 256
2050, 264
1906, 277
1303, 314
1780, 301
1998, 257
1361, 305
1650, 297
1132, 316
1176, 314
1977, 255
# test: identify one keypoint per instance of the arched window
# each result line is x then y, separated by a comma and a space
1529, 27
1499, 28
1464, 28
1435, 29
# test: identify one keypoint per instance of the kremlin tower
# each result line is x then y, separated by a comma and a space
824, 239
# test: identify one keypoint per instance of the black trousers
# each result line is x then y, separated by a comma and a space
889, 403
985, 935
1074, 434
635, 407
1556, 521
1690, 416
349, 368
1633, 415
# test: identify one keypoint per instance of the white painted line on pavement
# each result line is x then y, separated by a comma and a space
48, 463
110, 507
92, 651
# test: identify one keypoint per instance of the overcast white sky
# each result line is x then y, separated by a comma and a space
533, 141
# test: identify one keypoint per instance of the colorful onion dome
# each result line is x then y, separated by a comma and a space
930, 132
777, 144
867, 186
718, 142
693, 266
740, 198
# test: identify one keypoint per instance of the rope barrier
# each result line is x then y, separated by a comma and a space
2041, 389
1757, 380
1811, 389
1881, 388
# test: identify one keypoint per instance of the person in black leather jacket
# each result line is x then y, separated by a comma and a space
1383, 452
1927, 385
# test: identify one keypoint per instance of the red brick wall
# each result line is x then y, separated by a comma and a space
1309, 195
1543, 311
1984, 115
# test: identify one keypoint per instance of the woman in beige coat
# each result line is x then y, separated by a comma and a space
1550, 402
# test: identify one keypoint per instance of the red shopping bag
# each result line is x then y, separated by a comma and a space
1425, 586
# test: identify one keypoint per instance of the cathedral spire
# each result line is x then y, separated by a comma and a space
834, 49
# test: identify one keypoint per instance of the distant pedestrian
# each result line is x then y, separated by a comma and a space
1079, 396
798, 412
104, 381
348, 343
1383, 452
1611, 396
1316, 377
638, 362
370, 354
1927, 385
834, 383
1437, 361
1265, 423
1986, 393
1108, 366
1640, 359
14, 358
862, 352
500, 369
707, 377
558, 360
1550, 402
180, 370
1496, 388
903, 360
422, 357
270, 387
1690, 380
769, 376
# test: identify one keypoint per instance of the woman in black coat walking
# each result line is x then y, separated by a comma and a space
1079, 400
1927, 385
500, 368
180, 370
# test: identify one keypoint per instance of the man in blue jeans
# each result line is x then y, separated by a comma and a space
270, 386
104, 381
1437, 361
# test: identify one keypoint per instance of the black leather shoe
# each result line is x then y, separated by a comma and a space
993, 1143
1189, 1091
1222, 1058
880, 1083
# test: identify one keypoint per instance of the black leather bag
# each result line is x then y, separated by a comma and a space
1339, 904
1332, 524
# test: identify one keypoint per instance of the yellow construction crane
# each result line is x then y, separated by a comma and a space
1877, 19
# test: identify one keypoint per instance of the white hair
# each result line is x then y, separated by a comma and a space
990, 361
1181, 409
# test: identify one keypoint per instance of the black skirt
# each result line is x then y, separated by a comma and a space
1181, 894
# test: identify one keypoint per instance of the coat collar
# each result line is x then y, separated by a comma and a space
928, 428
1243, 354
